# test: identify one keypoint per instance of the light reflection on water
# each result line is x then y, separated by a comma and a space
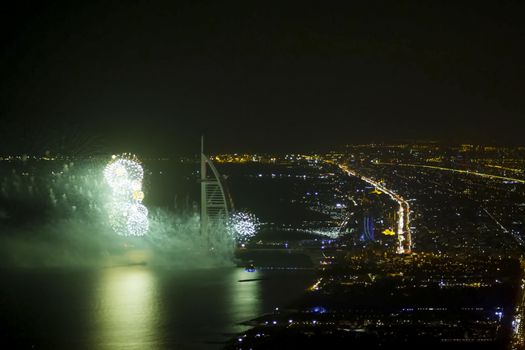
245, 297
127, 309
138, 307
131, 305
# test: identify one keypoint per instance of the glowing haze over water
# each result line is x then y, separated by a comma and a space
91, 213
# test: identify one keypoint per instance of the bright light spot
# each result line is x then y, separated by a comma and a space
243, 226
127, 215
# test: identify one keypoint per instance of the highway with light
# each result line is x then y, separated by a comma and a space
460, 171
404, 239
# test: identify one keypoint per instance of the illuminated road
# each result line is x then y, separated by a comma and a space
475, 173
404, 238
517, 340
514, 235
496, 221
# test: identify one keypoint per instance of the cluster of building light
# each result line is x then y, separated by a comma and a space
460, 171
403, 212
517, 340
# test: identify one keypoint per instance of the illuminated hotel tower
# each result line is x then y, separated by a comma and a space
215, 201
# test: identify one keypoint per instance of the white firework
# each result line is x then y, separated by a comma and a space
243, 226
137, 223
127, 215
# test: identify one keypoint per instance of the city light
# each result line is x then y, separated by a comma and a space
404, 241
468, 172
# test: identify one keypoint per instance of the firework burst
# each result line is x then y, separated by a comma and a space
127, 215
243, 226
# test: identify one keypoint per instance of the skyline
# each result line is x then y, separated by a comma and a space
406, 244
238, 174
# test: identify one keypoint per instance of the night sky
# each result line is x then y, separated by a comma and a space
151, 76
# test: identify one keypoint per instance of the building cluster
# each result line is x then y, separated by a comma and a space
453, 209
460, 286
375, 298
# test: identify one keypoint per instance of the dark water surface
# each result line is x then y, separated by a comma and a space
138, 307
